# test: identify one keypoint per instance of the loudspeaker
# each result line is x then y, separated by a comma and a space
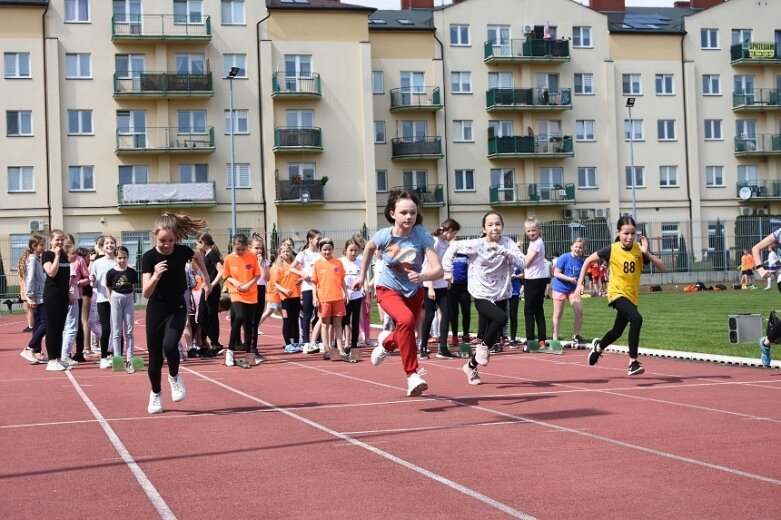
744, 328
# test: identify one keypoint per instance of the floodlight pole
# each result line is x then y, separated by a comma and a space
232, 74
630, 102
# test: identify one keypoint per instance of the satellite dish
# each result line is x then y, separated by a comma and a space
745, 193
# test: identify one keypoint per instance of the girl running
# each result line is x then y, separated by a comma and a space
241, 273
330, 295
764, 271
164, 285
404, 246
438, 294
121, 283
492, 259
564, 287
625, 259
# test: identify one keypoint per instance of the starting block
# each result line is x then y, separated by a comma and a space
355, 355
554, 347
137, 362
334, 354
465, 350
117, 364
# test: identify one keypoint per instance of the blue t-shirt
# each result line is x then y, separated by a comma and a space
460, 268
569, 266
400, 254
516, 282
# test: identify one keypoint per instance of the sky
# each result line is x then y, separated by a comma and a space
395, 4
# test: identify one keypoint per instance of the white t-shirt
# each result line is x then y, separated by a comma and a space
536, 269
306, 260
351, 272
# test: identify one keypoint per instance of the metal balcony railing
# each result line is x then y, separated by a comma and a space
532, 194
429, 194
163, 84
754, 53
299, 139
165, 139
303, 191
415, 98
760, 144
152, 27
423, 147
528, 99
756, 99
295, 85
529, 145
166, 194
527, 49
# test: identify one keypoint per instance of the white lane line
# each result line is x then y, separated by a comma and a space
154, 496
430, 428
393, 458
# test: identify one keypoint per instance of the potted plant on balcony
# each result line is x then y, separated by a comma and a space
296, 179
324, 180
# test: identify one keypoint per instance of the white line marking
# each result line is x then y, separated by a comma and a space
429, 428
149, 488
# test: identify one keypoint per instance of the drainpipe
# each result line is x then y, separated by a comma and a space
260, 122
444, 130
46, 119
686, 149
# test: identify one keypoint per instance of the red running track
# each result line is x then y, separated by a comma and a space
544, 437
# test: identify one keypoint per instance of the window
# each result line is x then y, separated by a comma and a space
587, 177
584, 84
630, 84
664, 85
462, 131
584, 130
461, 82
304, 170
502, 178
20, 179
80, 122
240, 122
78, 66
465, 180
668, 176
133, 174
670, 236
551, 180
129, 66
382, 180
500, 128
379, 132
197, 173
711, 85
709, 38
81, 178
19, 122
714, 176
748, 173
19, 244
234, 60
713, 130
242, 175
191, 121
378, 81
665, 129
581, 37
232, 12
300, 118
500, 80
188, 11
76, 11
136, 243
742, 36
127, 11
499, 35
17, 64
633, 130
413, 131
638, 176
412, 179
190, 63
459, 34
715, 235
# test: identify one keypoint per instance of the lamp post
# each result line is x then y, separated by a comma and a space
232, 73
630, 102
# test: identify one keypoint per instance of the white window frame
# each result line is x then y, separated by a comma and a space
414, 178
19, 244
77, 11
463, 131
192, 127
639, 177
500, 80
188, 12
14, 64
464, 180
25, 179
585, 130
457, 35
668, 176
233, 12
23, 119
633, 128
711, 84
305, 170
190, 173
240, 121
380, 137
666, 130
581, 38
381, 179
586, 87
714, 177
461, 82
748, 173
190, 63
243, 176
378, 82
139, 173
632, 84
671, 236
713, 130
587, 178
82, 118
664, 84
709, 38
234, 60
75, 63
84, 176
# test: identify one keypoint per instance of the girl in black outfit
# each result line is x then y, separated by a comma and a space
164, 285
56, 297
212, 258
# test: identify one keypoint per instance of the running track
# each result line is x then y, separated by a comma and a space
298, 437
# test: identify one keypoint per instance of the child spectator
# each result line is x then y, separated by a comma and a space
329, 297
355, 298
747, 271
56, 297
302, 266
288, 286
71, 328
121, 282
212, 259
438, 294
241, 273
535, 281
34, 281
258, 248
565, 284
98, 270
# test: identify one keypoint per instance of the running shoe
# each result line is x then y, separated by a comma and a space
129, 367
764, 352
28, 355
423, 353
105, 363
577, 339
379, 353
595, 353
635, 369
27, 329
446, 354
229, 358
242, 363
259, 358
496, 348
481, 354
472, 377
178, 392
415, 385
78, 357
193, 352
155, 403
54, 365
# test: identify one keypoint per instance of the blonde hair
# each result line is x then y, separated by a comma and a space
278, 262
181, 225
21, 267
532, 222
579, 240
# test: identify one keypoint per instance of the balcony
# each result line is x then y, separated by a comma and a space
166, 194
527, 50
416, 148
300, 191
415, 99
164, 140
162, 27
532, 195
430, 195
298, 86
759, 145
755, 53
518, 99
758, 190
539, 147
756, 100
292, 139
163, 85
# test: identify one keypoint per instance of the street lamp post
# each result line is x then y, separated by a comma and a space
630, 102
232, 73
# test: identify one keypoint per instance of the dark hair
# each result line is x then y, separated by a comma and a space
448, 225
324, 242
352, 241
396, 195
207, 239
625, 220
492, 213
122, 249
311, 234
359, 241
240, 239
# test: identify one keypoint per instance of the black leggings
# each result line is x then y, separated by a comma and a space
56, 313
513, 311
243, 317
495, 317
259, 308
104, 314
775, 332
307, 311
353, 318
212, 324
291, 307
626, 312
164, 327
459, 297
441, 300
533, 307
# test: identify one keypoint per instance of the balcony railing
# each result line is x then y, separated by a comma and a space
415, 98
302, 191
761, 144
166, 194
423, 147
297, 139
532, 194
762, 190
528, 99
756, 99
299, 86
530, 146
155, 27
432, 195
528, 49
162, 140
163, 84
755, 53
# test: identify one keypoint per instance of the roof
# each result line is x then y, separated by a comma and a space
38, 3
648, 20
315, 5
402, 20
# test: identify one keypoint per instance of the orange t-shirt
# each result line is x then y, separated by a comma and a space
328, 276
272, 296
594, 270
242, 268
747, 263
288, 281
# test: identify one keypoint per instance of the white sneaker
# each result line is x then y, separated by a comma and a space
27, 354
229, 358
54, 365
415, 385
481, 354
178, 392
129, 367
105, 363
379, 354
68, 362
472, 377
155, 403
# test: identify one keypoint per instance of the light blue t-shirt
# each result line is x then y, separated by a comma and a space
400, 254
569, 266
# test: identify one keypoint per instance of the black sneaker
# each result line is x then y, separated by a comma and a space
594, 355
446, 354
423, 354
496, 348
635, 369
78, 356
193, 353
241, 363
207, 352
577, 339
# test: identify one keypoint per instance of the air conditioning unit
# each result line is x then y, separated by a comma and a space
760, 211
600, 213
528, 29
584, 214
568, 214
37, 225
745, 211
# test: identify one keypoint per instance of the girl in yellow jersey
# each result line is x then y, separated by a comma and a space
625, 259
